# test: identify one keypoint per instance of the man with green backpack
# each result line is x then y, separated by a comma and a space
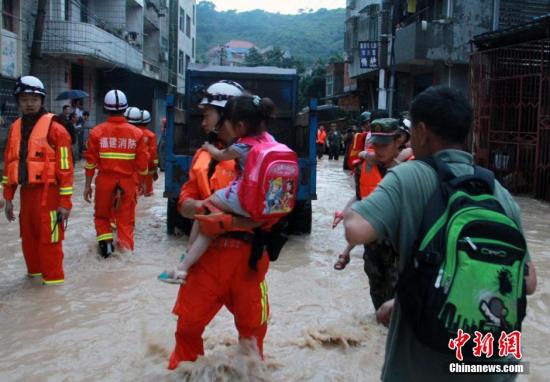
463, 266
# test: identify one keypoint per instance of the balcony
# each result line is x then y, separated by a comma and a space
425, 41
82, 39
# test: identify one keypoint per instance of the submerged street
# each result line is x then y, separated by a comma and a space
112, 319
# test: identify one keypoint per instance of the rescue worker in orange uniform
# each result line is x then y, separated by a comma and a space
38, 158
118, 151
380, 260
151, 141
321, 141
222, 276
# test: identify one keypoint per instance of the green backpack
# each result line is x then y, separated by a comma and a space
469, 265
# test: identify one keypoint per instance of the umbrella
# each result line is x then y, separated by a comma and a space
72, 94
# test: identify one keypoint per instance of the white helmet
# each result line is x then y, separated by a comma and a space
219, 93
29, 84
133, 115
145, 117
115, 100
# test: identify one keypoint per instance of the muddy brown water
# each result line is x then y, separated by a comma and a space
112, 319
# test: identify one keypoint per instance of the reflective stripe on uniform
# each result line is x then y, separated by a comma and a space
33, 275
90, 166
144, 172
105, 236
121, 156
64, 191
64, 152
54, 227
54, 282
263, 287
156, 161
4, 180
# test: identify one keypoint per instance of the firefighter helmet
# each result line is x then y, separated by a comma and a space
145, 117
30, 85
133, 115
219, 93
115, 100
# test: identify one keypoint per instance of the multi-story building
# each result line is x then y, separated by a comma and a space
431, 43
13, 59
366, 45
186, 43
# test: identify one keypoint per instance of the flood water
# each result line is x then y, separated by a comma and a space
112, 320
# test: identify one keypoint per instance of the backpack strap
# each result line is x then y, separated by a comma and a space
482, 180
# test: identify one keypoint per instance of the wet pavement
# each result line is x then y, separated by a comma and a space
112, 319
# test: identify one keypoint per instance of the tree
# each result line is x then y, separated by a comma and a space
313, 85
254, 58
274, 57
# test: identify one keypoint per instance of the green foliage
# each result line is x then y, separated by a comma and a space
307, 35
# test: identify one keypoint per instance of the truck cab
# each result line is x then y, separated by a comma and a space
184, 134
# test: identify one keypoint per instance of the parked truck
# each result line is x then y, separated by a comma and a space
184, 135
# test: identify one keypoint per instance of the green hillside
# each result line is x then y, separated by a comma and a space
307, 36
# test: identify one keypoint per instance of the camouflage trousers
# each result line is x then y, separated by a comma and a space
381, 268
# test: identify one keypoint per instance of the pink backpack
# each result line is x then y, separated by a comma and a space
269, 183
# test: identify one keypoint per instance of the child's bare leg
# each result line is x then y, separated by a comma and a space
344, 258
199, 246
194, 233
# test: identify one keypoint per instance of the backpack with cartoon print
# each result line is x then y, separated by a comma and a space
269, 183
469, 265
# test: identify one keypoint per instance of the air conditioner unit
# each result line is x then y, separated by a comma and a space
163, 56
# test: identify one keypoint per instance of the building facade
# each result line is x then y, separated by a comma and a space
98, 45
397, 48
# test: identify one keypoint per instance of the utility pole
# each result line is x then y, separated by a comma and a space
36, 49
393, 23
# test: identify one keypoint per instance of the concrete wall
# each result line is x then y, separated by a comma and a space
185, 43
111, 11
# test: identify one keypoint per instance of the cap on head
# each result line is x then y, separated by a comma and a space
145, 117
384, 130
219, 93
115, 100
365, 117
133, 115
29, 85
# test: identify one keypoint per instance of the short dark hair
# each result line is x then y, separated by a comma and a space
65, 107
73, 114
445, 111
86, 113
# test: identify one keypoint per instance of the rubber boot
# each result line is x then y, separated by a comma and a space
106, 248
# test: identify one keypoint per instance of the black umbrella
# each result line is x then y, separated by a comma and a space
72, 94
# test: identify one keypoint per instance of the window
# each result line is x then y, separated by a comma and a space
188, 26
182, 19
194, 13
8, 16
329, 86
180, 62
193, 47
68, 10
187, 60
84, 11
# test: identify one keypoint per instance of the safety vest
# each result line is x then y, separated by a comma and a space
321, 137
40, 158
223, 175
369, 177
357, 145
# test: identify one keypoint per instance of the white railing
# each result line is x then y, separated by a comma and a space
83, 39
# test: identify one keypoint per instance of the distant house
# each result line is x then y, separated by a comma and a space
232, 53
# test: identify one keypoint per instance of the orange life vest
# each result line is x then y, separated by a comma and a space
321, 137
224, 173
40, 158
357, 145
369, 177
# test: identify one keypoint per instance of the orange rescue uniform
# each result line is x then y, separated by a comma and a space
357, 145
119, 153
221, 277
48, 186
150, 139
321, 137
